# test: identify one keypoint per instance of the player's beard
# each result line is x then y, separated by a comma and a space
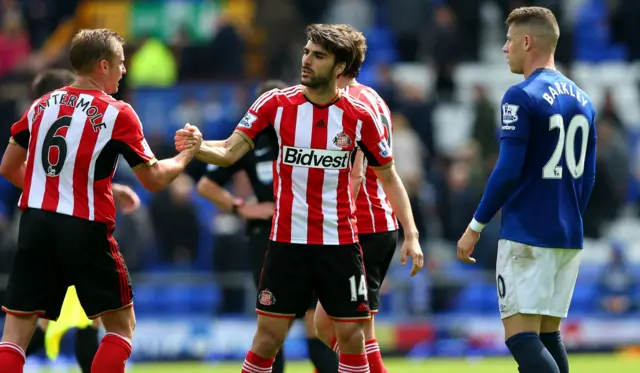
316, 81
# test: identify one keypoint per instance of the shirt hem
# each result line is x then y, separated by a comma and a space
538, 244
373, 231
325, 243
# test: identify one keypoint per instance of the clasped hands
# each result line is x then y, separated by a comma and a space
188, 138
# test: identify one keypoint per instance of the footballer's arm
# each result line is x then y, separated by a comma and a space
13, 164
398, 198
216, 194
157, 175
228, 153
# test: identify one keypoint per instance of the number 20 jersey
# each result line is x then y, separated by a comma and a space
73, 138
557, 121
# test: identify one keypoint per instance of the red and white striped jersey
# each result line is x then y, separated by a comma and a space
312, 175
73, 139
373, 209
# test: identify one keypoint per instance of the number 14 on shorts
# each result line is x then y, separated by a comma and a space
358, 288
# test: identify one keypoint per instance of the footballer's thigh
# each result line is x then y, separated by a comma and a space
284, 291
341, 286
524, 281
99, 273
285, 287
37, 281
340, 282
567, 268
378, 250
258, 241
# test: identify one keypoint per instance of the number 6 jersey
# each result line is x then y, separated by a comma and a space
553, 122
73, 139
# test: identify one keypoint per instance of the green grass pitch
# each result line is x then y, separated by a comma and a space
579, 364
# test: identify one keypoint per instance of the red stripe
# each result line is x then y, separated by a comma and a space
83, 162
35, 130
275, 316
315, 179
125, 296
284, 211
103, 202
52, 184
347, 223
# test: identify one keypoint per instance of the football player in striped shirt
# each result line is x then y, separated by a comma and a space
63, 153
258, 165
314, 238
72, 315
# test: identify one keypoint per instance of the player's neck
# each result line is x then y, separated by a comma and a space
345, 82
322, 95
539, 63
85, 82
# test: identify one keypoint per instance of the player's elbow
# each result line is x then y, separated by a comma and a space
227, 160
8, 171
150, 180
153, 186
4, 171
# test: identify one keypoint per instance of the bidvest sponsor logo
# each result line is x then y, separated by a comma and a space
316, 158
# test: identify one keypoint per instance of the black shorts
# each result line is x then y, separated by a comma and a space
258, 234
292, 272
377, 251
56, 251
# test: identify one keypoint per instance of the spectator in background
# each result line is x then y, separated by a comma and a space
445, 50
175, 221
609, 191
419, 112
484, 128
609, 112
357, 13
617, 285
227, 50
386, 87
280, 52
408, 26
153, 65
14, 40
460, 200
409, 156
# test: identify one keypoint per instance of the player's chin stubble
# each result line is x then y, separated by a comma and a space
314, 82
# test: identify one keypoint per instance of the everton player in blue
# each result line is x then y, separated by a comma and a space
542, 182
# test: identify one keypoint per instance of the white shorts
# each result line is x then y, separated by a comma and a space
535, 280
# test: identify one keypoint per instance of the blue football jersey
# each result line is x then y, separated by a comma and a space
556, 119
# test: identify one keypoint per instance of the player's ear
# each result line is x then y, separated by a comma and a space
340, 68
527, 39
104, 65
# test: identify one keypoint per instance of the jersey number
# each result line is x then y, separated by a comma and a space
358, 290
566, 141
54, 147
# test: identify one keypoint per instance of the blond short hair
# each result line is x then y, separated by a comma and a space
89, 47
538, 18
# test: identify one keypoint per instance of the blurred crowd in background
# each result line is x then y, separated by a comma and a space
439, 66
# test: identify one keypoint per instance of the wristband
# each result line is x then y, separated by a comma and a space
476, 226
